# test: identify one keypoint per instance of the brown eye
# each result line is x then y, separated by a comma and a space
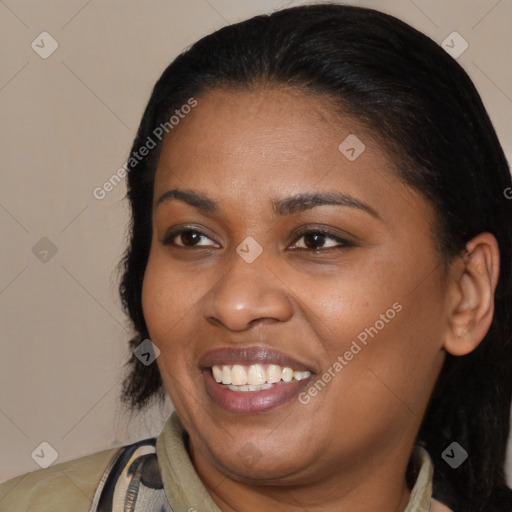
189, 238
314, 240
319, 240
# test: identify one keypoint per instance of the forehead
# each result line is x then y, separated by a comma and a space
278, 133
245, 149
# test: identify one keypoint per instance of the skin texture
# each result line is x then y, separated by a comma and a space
348, 448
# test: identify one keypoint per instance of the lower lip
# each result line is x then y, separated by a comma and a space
252, 401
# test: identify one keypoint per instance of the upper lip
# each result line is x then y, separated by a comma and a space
250, 355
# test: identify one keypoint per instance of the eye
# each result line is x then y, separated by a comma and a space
314, 239
187, 237
319, 240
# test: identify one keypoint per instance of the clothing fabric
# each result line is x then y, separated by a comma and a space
67, 487
153, 475
132, 482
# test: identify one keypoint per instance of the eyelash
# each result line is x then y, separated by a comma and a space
343, 243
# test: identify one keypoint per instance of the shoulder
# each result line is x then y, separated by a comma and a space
57, 487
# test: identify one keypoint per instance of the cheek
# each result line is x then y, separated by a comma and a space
156, 298
169, 314
173, 302
386, 322
163, 303
401, 350
167, 297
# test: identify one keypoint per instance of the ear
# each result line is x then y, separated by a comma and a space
474, 278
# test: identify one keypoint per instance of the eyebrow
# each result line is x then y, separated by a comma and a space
293, 204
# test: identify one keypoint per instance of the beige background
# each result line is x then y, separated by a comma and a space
67, 123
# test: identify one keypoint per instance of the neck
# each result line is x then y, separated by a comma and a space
376, 484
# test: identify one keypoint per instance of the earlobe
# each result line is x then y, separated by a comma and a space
474, 279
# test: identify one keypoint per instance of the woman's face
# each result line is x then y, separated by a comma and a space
298, 253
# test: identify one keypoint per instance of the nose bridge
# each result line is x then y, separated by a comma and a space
248, 291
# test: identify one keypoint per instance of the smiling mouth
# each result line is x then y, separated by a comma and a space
255, 377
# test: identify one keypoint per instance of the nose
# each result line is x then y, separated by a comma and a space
246, 294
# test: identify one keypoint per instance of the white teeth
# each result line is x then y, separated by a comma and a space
250, 388
255, 377
238, 375
287, 374
217, 373
226, 375
274, 373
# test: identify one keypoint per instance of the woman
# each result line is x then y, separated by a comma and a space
320, 255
